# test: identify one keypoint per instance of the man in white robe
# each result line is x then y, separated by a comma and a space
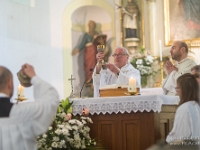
179, 52
117, 73
21, 123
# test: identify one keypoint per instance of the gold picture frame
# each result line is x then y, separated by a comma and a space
177, 24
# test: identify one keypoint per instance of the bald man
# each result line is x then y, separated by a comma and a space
179, 53
21, 123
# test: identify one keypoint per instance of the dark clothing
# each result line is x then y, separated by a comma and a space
5, 106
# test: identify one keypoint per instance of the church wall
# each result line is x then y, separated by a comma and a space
25, 37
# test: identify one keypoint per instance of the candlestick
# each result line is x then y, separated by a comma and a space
160, 48
161, 73
132, 85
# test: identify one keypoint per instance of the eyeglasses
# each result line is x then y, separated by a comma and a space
118, 55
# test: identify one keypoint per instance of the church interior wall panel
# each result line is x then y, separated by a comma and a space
25, 37
46, 60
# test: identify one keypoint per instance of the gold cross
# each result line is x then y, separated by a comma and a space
70, 79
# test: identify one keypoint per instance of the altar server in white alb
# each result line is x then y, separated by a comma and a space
179, 53
117, 73
21, 123
187, 117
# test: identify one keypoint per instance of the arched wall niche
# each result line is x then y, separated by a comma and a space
74, 24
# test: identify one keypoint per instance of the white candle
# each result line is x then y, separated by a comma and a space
160, 48
132, 85
20, 91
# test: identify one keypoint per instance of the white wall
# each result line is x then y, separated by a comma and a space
25, 36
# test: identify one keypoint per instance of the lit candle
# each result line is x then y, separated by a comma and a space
132, 85
20, 91
160, 48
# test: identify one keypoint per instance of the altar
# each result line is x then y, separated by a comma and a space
129, 122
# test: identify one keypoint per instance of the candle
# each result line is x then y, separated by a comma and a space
160, 48
20, 91
132, 85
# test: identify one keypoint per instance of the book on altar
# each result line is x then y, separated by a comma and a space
113, 90
113, 86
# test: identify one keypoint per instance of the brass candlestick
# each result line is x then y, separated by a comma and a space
161, 73
101, 48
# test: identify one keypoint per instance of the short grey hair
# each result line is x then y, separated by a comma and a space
123, 48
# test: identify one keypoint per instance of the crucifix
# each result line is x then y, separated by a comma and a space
71, 79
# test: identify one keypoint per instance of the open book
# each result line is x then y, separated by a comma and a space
113, 86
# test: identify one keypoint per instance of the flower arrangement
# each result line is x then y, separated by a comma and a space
66, 131
143, 62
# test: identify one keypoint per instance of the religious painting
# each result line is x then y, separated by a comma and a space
182, 20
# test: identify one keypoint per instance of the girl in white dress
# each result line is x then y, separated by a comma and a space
187, 119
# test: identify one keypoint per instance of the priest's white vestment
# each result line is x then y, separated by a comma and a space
186, 123
106, 77
169, 84
28, 120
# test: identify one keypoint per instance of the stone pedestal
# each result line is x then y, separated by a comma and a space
132, 44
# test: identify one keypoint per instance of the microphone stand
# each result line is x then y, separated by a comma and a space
85, 82
82, 88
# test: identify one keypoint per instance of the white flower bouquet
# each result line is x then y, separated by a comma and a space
143, 62
67, 132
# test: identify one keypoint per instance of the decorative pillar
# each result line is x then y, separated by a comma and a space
153, 44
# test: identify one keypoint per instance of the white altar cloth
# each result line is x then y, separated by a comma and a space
123, 104
151, 91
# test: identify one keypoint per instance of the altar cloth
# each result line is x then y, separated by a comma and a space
122, 104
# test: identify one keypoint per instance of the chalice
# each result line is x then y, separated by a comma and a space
101, 48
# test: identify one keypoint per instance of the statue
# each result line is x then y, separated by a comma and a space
89, 43
131, 12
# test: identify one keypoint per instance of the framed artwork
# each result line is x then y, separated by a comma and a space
182, 20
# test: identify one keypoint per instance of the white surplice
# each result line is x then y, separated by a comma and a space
169, 84
28, 120
106, 77
186, 123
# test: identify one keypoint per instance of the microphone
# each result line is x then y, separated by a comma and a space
84, 81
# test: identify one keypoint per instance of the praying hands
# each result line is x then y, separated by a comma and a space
170, 67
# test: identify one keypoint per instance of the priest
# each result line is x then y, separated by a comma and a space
179, 53
117, 73
21, 123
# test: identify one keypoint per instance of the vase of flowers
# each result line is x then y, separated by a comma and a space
67, 132
143, 61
